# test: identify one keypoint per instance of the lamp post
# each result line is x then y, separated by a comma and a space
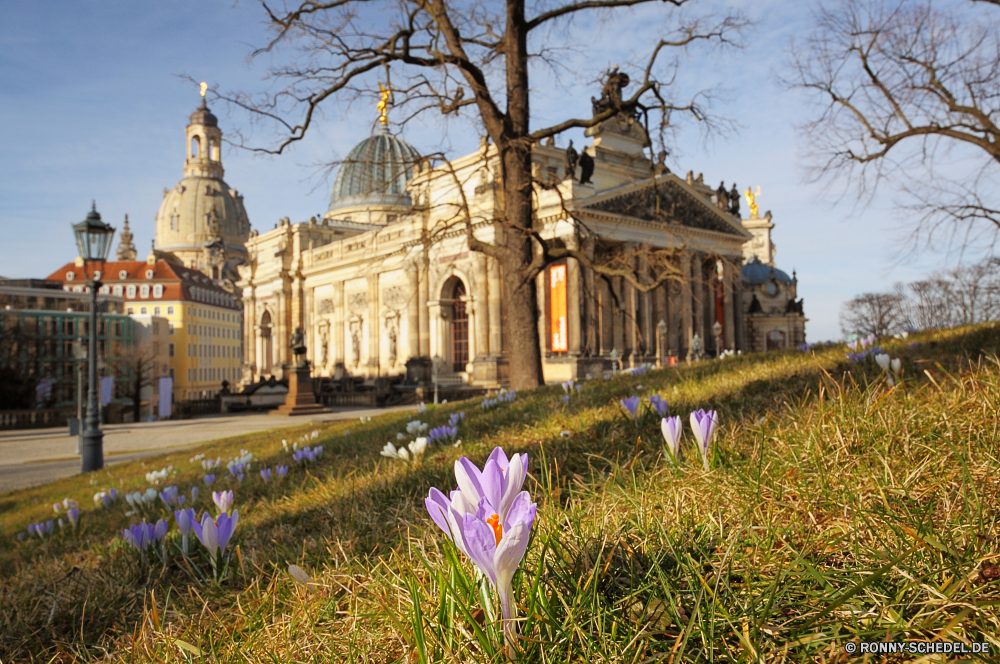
93, 239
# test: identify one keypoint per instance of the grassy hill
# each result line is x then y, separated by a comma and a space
839, 509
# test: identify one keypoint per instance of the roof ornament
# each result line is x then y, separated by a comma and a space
750, 201
204, 88
383, 104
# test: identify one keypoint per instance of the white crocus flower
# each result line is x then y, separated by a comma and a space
883, 361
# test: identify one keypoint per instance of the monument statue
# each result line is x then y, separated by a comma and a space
383, 104
696, 347
750, 201
298, 346
611, 92
586, 167
571, 159
734, 200
722, 196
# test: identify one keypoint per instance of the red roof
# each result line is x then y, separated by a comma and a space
178, 281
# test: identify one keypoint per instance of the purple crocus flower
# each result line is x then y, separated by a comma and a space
208, 479
74, 516
185, 520
214, 534
672, 429
631, 405
171, 497
659, 405
194, 494
139, 535
281, 470
223, 500
568, 386
265, 474
113, 493
579, 388
566, 399
489, 519
703, 424
456, 418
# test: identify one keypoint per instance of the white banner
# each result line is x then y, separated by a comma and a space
107, 389
166, 396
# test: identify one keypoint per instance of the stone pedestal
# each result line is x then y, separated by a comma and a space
300, 399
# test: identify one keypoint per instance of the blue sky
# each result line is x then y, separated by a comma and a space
93, 103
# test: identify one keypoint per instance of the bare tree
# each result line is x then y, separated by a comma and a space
911, 95
458, 58
872, 313
134, 371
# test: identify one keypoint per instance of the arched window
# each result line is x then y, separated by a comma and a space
195, 147
459, 329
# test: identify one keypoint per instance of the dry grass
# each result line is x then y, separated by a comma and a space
839, 509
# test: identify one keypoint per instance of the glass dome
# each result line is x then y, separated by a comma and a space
375, 173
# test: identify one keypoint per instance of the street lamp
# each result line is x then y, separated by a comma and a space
93, 238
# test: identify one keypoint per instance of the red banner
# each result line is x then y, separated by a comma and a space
557, 293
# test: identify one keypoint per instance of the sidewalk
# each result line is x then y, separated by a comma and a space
32, 457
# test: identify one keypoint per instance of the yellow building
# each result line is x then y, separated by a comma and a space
204, 320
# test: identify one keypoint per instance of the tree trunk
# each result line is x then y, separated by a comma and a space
514, 144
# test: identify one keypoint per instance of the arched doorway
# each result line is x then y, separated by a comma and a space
265, 342
459, 328
775, 340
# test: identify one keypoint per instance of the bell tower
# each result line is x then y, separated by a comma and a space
204, 143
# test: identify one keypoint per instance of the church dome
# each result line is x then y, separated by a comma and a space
755, 272
203, 116
375, 173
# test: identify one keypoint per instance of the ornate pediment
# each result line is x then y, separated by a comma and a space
668, 202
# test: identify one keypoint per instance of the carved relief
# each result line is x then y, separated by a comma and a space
665, 203
324, 306
394, 297
357, 302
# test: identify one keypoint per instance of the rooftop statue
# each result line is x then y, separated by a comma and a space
750, 201
611, 93
383, 104
571, 158
586, 167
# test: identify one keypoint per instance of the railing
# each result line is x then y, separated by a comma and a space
186, 409
39, 418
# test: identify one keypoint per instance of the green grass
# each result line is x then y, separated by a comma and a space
838, 509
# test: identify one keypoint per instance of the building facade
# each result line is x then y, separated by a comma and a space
44, 333
384, 285
204, 321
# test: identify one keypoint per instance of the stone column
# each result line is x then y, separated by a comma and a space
739, 320
422, 303
617, 316
339, 350
494, 286
374, 325
413, 311
589, 303
481, 308
646, 314
686, 309
574, 295
249, 333
728, 325
698, 288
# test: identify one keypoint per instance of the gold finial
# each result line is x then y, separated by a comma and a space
750, 201
204, 88
383, 104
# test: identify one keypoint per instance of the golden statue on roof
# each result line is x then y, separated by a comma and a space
383, 104
204, 88
750, 201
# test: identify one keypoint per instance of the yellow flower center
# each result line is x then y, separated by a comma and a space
497, 527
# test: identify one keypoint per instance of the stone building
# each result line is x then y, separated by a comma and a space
774, 318
385, 285
202, 223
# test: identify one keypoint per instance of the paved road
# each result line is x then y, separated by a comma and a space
29, 458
